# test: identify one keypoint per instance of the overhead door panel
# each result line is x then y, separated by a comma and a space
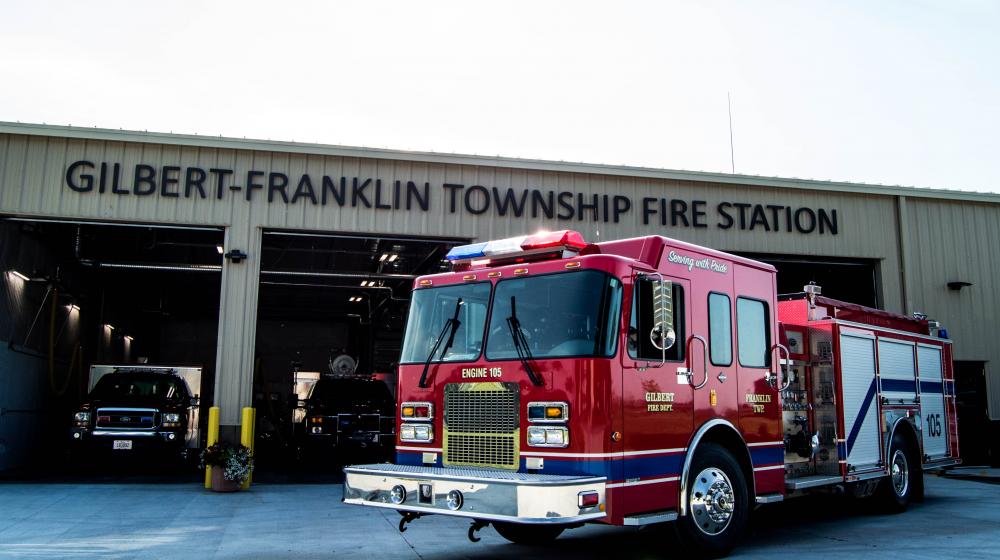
932, 401
857, 364
896, 370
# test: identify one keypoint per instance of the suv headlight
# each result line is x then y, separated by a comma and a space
416, 433
81, 417
541, 436
171, 417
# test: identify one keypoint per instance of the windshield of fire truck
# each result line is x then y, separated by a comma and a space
430, 311
560, 315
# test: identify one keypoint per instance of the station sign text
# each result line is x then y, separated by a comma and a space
171, 181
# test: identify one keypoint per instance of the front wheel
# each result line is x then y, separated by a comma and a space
718, 504
520, 533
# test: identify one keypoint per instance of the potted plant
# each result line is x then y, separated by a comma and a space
231, 465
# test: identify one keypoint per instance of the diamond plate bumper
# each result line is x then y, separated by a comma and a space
488, 494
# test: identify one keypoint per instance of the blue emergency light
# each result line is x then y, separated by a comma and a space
465, 252
544, 241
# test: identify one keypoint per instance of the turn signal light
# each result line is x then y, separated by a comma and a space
548, 412
416, 411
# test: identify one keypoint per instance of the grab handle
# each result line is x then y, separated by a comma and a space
773, 378
686, 370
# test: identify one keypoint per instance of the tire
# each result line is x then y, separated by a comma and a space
902, 486
718, 504
520, 533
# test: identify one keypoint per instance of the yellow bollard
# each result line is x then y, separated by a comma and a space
246, 437
213, 438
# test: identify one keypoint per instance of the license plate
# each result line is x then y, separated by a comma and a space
122, 444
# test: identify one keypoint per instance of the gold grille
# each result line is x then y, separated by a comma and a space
481, 425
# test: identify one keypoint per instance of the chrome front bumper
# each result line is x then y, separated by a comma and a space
490, 495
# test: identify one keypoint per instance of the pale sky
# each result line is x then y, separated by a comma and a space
893, 92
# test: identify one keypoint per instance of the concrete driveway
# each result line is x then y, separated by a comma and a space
959, 519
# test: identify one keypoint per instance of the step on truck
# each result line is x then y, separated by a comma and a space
547, 382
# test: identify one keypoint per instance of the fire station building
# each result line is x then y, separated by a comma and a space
263, 261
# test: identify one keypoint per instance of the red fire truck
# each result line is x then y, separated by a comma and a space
548, 382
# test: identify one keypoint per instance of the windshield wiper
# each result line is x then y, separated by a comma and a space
521, 344
451, 323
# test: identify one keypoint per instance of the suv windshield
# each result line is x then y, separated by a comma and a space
430, 311
344, 394
125, 385
560, 315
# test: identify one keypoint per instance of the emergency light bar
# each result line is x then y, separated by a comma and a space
545, 242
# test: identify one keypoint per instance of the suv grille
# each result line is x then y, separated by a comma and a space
126, 418
481, 422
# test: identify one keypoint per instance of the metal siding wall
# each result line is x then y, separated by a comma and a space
32, 182
952, 241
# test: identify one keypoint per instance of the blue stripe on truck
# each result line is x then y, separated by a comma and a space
860, 420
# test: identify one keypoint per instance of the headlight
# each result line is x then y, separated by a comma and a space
172, 417
82, 417
539, 436
398, 494
421, 433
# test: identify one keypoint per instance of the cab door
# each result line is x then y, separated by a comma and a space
714, 380
656, 409
757, 358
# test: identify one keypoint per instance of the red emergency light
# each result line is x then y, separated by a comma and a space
567, 239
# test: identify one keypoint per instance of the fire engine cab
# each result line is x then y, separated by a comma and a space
548, 382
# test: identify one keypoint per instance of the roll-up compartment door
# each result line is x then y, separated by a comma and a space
932, 415
857, 363
896, 370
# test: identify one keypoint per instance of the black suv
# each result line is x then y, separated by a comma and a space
131, 411
349, 415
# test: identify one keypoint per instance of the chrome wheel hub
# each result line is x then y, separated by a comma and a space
900, 471
712, 501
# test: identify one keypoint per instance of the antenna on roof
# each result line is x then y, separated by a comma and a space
732, 156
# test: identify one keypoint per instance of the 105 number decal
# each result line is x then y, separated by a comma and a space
934, 425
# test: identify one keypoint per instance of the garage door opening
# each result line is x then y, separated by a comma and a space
852, 280
77, 295
331, 314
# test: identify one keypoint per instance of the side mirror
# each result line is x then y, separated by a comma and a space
662, 334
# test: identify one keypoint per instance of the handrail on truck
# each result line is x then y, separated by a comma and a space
686, 370
772, 378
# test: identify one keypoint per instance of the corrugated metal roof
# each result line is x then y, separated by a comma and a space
505, 162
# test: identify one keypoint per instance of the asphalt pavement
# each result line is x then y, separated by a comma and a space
960, 518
